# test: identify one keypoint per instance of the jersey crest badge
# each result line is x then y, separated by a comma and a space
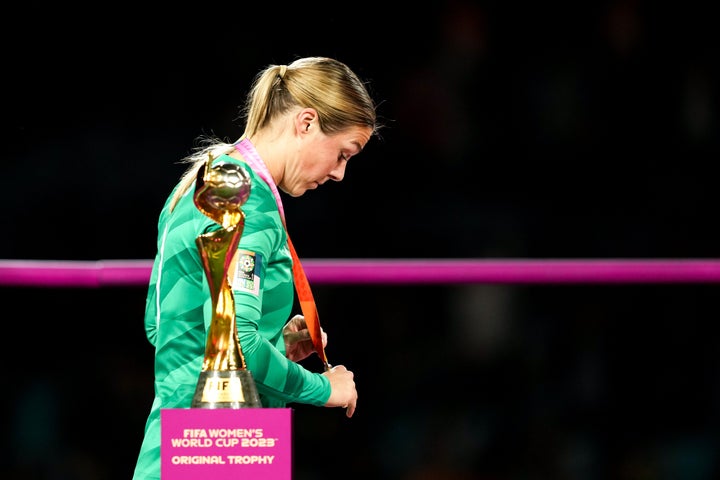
244, 272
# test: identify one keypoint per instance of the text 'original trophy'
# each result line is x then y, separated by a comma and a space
225, 381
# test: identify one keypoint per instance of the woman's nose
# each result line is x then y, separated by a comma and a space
338, 173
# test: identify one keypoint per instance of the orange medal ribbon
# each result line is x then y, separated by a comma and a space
307, 304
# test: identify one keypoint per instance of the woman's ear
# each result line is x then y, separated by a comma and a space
306, 120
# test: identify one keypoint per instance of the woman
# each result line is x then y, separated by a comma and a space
303, 122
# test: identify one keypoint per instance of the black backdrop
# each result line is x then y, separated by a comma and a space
553, 131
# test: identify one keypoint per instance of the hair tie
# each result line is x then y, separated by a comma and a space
283, 69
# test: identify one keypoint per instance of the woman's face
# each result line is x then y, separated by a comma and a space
320, 157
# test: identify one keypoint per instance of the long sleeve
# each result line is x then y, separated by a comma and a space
262, 283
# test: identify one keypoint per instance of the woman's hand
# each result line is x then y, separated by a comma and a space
343, 393
298, 344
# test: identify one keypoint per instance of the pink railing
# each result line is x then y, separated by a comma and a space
104, 273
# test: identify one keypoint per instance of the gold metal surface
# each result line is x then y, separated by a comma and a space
220, 192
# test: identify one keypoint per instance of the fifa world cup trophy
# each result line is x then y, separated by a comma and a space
224, 382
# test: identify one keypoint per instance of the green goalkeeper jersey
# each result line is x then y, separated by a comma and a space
178, 311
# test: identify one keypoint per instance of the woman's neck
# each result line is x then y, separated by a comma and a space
270, 156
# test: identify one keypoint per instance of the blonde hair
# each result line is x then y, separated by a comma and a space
338, 95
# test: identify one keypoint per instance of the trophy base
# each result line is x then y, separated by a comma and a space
226, 389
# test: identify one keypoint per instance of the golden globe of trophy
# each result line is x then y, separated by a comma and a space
224, 381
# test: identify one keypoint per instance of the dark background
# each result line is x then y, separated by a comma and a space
512, 131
